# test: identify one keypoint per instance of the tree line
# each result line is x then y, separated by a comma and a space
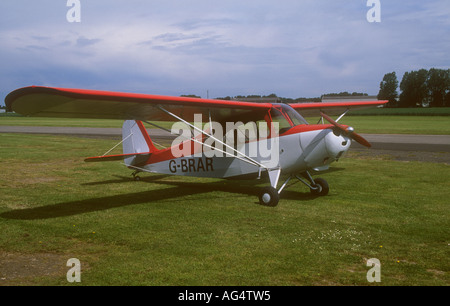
418, 88
290, 100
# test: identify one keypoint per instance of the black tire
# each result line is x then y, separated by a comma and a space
269, 197
323, 187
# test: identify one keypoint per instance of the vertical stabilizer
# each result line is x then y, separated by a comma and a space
135, 140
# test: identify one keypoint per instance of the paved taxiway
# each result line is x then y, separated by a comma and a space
397, 142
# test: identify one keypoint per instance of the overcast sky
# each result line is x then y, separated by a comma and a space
293, 48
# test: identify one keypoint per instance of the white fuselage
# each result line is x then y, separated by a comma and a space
293, 153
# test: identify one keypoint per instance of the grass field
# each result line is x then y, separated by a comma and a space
167, 230
425, 125
68, 122
416, 111
437, 125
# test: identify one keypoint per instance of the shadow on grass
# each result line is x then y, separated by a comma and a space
176, 191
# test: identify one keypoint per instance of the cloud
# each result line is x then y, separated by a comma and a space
84, 42
293, 48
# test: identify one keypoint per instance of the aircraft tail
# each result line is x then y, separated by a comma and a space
136, 143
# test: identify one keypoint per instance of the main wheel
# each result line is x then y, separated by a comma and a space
322, 187
269, 196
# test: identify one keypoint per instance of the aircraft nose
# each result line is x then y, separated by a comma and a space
337, 145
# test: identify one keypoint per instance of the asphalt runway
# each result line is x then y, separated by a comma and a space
435, 148
397, 142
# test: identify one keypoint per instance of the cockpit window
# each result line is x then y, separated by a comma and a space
286, 117
277, 116
295, 117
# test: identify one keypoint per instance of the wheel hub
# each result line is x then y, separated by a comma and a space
266, 198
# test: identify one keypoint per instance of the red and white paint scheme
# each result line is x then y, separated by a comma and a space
232, 139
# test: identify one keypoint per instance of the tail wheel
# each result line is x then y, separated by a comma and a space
321, 187
135, 176
269, 197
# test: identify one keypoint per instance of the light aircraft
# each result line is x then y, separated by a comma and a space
274, 139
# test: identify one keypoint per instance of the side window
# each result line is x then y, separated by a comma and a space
295, 117
277, 116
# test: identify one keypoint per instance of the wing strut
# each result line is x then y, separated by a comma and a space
106, 153
342, 115
244, 157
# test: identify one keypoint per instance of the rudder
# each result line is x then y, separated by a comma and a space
135, 140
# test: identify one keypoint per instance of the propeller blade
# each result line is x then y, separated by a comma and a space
347, 131
330, 120
361, 140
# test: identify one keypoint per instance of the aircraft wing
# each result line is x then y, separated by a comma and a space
39, 101
332, 108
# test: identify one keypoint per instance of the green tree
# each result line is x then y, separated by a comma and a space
414, 89
190, 96
438, 85
388, 89
447, 99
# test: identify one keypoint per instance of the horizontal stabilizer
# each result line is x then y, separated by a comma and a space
138, 156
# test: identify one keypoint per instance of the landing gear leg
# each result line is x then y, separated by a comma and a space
318, 186
269, 196
135, 176
321, 187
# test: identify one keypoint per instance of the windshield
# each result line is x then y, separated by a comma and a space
286, 116
277, 116
295, 117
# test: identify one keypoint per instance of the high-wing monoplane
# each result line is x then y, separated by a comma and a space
212, 138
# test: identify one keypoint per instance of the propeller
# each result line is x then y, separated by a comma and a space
348, 131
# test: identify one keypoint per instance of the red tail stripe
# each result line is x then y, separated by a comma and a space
147, 138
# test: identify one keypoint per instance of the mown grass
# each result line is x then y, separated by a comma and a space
424, 125
167, 230
433, 125
409, 111
66, 122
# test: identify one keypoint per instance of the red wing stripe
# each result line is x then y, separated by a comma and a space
129, 97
